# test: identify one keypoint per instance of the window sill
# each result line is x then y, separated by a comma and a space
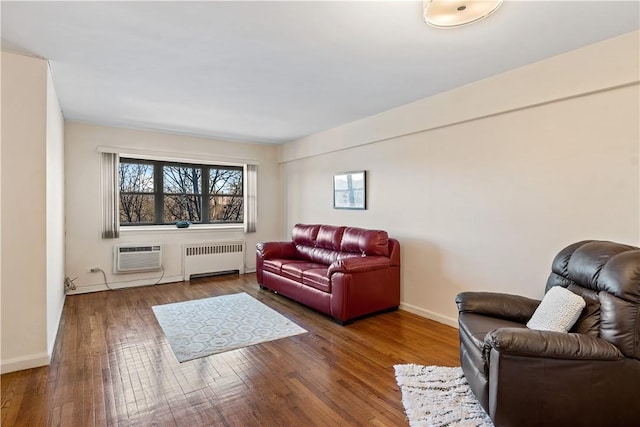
194, 228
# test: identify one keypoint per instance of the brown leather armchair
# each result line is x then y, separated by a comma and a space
587, 377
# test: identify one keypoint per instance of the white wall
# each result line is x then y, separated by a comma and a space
483, 185
24, 210
84, 245
55, 213
1, 276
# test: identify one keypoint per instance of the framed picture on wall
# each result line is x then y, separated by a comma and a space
350, 190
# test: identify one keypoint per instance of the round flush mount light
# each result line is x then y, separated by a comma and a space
454, 13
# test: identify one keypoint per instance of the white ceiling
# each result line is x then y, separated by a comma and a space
275, 71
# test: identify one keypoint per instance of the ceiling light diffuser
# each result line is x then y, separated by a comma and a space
454, 13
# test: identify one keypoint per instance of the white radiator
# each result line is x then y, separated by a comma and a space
213, 257
132, 258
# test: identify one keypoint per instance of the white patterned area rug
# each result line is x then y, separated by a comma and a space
208, 326
437, 396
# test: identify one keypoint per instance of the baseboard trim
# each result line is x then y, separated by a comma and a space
85, 289
24, 362
429, 315
123, 285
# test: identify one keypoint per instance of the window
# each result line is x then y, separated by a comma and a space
225, 195
157, 192
136, 193
182, 193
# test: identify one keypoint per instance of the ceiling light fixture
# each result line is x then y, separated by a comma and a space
455, 13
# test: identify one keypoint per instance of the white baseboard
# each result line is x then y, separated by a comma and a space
24, 362
429, 315
122, 285
85, 289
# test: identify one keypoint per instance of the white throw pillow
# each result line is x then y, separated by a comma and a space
558, 311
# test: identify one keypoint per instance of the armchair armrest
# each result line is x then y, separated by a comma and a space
359, 264
268, 250
548, 344
510, 307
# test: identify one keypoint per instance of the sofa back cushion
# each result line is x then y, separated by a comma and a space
609, 275
589, 321
329, 237
304, 234
326, 244
365, 242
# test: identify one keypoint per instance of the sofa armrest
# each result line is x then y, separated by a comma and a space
510, 307
549, 344
270, 250
359, 264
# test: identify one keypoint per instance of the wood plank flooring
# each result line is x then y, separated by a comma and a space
112, 366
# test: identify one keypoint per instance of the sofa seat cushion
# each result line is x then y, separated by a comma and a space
476, 326
473, 329
294, 270
274, 265
317, 278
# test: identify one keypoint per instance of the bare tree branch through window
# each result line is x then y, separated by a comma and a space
136, 193
153, 192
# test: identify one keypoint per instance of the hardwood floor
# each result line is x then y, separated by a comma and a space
112, 366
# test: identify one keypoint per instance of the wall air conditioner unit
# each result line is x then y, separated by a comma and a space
134, 258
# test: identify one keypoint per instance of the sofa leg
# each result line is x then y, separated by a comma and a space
262, 287
343, 322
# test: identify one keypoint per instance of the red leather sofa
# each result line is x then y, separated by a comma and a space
345, 272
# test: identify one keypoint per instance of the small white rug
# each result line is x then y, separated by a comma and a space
439, 396
208, 326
